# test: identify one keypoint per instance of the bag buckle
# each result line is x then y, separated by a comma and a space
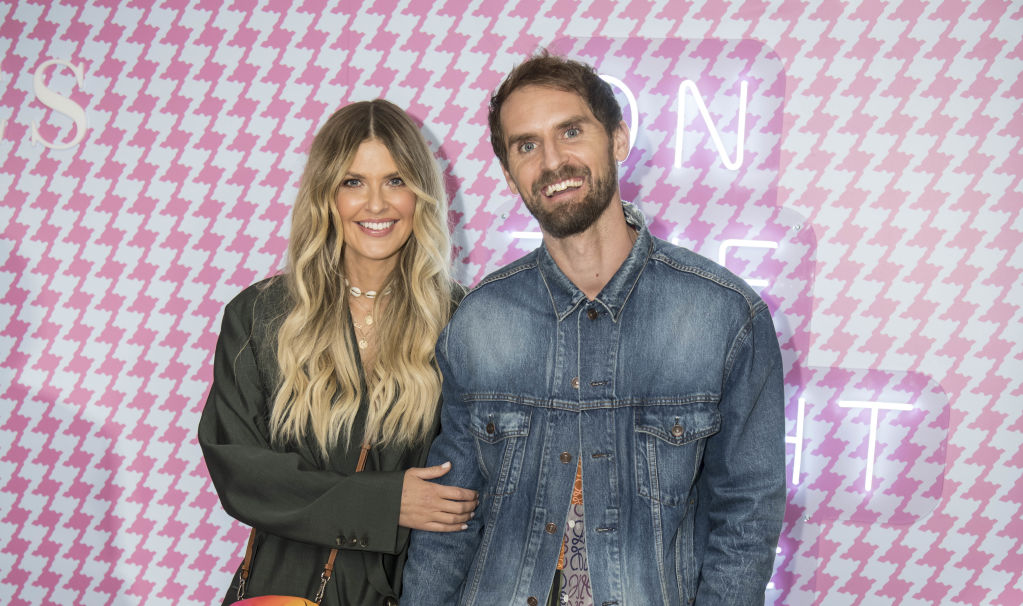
323, 587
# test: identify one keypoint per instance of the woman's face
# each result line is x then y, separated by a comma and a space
376, 208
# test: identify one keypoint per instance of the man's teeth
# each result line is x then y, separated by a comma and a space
562, 186
376, 225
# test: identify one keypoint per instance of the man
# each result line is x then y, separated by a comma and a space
609, 358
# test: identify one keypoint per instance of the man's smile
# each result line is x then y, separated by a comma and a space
561, 186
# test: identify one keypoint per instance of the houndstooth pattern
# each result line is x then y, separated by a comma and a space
883, 159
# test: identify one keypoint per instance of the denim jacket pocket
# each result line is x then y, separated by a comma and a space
669, 441
500, 429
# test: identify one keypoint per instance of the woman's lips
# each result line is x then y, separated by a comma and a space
376, 228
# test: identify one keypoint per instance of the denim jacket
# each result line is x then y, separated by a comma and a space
667, 386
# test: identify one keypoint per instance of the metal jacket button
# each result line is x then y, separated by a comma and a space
592, 314
551, 528
531, 601
575, 382
491, 428
565, 457
677, 431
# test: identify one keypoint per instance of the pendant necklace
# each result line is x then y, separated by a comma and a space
362, 329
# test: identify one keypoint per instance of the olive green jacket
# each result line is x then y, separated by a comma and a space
300, 504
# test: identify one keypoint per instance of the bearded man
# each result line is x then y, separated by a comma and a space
616, 400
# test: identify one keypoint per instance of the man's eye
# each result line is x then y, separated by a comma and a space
527, 147
572, 132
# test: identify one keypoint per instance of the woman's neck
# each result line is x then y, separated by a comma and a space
368, 276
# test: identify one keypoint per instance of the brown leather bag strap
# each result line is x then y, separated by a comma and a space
363, 453
246, 564
328, 568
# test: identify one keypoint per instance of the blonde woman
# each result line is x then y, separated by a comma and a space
333, 360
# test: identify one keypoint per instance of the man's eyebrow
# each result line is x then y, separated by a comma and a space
514, 140
576, 120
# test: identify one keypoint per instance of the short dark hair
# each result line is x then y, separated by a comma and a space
552, 71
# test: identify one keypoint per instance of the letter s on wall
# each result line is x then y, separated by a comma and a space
59, 103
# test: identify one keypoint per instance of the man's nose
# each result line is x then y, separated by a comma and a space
553, 155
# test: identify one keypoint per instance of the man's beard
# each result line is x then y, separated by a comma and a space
563, 220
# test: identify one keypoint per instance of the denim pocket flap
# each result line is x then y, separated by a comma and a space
679, 423
492, 423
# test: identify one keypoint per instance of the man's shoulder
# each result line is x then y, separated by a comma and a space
696, 267
494, 285
501, 294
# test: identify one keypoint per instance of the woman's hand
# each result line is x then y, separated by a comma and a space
429, 506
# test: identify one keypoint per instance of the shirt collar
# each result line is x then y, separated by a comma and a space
565, 296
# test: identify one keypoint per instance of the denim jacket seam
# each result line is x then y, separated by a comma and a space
753, 303
554, 303
615, 317
503, 274
594, 404
741, 338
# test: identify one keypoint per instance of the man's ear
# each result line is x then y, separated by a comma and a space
511, 182
620, 136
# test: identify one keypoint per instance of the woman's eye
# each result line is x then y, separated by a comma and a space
396, 182
351, 183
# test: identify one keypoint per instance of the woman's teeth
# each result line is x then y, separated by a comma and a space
376, 225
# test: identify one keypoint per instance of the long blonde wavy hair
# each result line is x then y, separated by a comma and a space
320, 387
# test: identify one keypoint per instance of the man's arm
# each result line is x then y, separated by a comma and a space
438, 562
742, 487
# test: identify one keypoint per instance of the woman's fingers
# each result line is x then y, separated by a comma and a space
431, 473
447, 526
456, 494
429, 506
439, 527
451, 493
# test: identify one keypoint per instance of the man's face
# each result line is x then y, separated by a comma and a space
560, 159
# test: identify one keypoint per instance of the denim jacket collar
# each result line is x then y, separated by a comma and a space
566, 296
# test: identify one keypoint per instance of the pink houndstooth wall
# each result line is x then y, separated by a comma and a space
859, 163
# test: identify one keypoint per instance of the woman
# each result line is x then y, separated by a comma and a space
335, 359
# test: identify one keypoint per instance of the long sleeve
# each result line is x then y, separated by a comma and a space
742, 486
439, 561
285, 493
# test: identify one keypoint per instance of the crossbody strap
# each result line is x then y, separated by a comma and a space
328, 568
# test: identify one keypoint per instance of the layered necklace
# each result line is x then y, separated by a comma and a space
362, 318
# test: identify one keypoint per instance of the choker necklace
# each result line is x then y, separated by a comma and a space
355, 291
